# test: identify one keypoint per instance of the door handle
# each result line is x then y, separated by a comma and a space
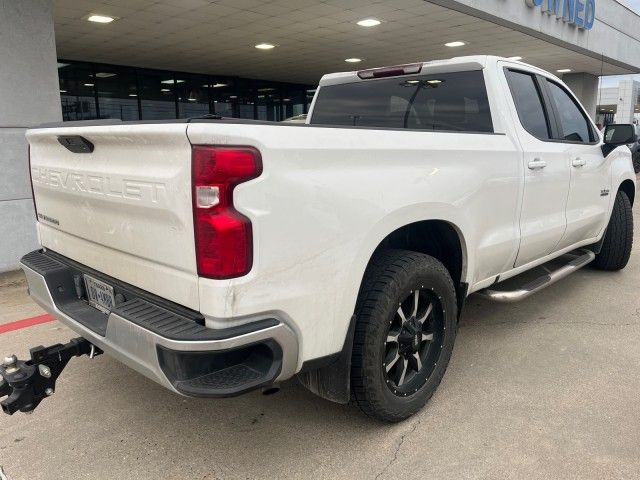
578, 162
536, 164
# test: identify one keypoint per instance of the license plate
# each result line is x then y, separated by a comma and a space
99, 294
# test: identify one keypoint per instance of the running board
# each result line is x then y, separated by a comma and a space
507, 296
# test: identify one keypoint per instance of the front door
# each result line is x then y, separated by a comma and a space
588, 200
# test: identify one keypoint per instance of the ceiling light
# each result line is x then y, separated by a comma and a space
352, 60
88, 84
286, 99
265, 46
413, 82
105, 74
63, 91
165, 89
457, 43
100, 18
369, 22
133, 94
171, 81
191, 99
219, 85
434, 81
515, 59
564, 70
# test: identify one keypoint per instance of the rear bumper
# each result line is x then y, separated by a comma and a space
164, 341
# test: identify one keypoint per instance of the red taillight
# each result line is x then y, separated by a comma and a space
224, 240
408, 69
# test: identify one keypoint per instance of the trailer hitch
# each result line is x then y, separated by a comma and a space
26, 383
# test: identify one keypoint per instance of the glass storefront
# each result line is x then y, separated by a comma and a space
96, 91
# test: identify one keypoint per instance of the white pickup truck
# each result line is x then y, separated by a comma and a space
216, 256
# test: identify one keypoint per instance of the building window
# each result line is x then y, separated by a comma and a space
91, 91
157, 95
77, 93
117, 93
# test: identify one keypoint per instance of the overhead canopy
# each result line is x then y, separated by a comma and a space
313, 38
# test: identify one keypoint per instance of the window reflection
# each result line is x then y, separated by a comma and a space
90, 91
77, 92
117, 93
157, 95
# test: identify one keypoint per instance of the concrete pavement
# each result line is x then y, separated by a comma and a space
546, 388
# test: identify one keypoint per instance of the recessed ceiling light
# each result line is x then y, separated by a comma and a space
413, 82
515, 59
165, 89
105, 74
352, 60
133, 95
171, 81
88, 84
100, 18
219, 85
457, 43
286, 99
369, 22
435, 81
564, 70
265, 46
63, 91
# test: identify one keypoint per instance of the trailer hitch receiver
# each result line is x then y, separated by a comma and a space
26, 383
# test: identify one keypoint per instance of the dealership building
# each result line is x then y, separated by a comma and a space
162, 59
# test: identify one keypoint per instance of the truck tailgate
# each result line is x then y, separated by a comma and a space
123, 209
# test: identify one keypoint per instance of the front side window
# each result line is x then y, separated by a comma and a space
452, 102
573, 123
529, 106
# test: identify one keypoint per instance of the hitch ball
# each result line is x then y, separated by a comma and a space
9, 361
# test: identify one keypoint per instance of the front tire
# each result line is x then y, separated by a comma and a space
618, 239
405, 330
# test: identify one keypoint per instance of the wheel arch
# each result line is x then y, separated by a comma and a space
629, 188
440, 239
330, 378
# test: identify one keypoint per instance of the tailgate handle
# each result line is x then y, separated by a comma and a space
75, 143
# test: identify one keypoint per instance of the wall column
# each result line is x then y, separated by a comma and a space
626, 104
585, 87
29, 95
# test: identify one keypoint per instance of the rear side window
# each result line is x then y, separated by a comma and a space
573, 123
529, 106
452, 101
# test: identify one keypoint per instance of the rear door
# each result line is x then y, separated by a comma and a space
588, 199
546, 169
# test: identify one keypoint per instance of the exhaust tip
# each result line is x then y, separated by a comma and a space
271, 389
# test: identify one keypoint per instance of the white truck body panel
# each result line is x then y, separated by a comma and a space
326, 199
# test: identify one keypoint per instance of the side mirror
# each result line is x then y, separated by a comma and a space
616, 135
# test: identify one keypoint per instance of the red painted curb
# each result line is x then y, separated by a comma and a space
26, 322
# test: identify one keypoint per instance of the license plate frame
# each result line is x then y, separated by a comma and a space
100, 295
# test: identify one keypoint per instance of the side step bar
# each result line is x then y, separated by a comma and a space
507, 296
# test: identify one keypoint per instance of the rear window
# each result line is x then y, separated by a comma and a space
452, 101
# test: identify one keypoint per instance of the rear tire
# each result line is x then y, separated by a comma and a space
618, 239
405, 330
